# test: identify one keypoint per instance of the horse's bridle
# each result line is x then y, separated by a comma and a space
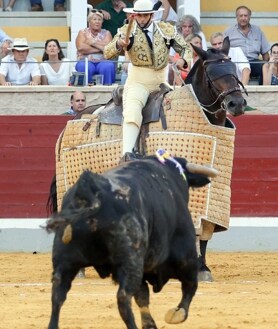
220, 95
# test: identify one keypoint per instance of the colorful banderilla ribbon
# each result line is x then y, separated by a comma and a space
163, 155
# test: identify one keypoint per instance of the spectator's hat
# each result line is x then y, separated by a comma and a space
20, 44
144, 7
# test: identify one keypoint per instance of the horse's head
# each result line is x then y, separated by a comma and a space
214, 80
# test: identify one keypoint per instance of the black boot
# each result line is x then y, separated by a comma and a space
204, 274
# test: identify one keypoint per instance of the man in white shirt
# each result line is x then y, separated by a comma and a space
19, 68
5, 43
237, 56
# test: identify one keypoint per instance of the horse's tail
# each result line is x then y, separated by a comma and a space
51, 205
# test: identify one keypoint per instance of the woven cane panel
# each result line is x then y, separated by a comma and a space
97, 157
195, 148
183, 114
181, 105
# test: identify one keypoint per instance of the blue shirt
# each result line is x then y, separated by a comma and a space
254, 44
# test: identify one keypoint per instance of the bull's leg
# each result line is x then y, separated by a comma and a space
61, 284
204, 274
187, 272
142, 298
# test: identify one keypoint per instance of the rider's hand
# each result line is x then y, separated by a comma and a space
181, 64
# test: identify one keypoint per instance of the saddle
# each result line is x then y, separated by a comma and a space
112, 113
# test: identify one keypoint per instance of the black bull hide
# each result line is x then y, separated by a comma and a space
132, 223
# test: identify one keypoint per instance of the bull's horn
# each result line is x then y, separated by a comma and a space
200, 169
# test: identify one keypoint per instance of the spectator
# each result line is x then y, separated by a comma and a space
148, 50
250, 39
167, 15
19, 68
5, 43
55, 69
90, 42
78, 103
36, 5
188, 24
113, 14
196, 40
270, 69
9, 7
237, 56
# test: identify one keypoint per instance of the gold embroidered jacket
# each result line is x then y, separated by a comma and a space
140, 54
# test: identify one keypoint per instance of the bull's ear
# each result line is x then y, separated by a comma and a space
87, 190
197, 180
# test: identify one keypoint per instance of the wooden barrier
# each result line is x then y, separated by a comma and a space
27, 162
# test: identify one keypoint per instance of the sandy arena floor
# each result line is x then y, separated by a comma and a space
243, 296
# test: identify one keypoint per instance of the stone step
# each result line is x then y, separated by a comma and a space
26, 18
24, 5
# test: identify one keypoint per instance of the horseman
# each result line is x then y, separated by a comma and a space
147, 44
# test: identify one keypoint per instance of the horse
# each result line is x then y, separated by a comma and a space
216, 85
218, 90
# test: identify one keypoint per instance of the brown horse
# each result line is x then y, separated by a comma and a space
216, 85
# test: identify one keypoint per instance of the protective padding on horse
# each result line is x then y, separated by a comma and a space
189, 135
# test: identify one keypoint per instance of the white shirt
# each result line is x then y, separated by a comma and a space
172, 15
19, 75
241, 61
61, 77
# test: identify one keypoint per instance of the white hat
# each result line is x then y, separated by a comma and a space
20, 44
142, 7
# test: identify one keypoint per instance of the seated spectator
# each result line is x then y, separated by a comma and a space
36, 5
196, 40
113, 14
19, 68
188, 24
9, 6
5, 43
167, 15
90, 42
78, 103
270, 69
251, 39
55, 69
237, 56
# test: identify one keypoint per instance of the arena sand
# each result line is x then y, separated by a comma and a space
244, 295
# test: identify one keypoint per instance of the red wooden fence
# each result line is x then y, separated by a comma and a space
27, 164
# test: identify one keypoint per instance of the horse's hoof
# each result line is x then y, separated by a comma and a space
205, 276
176, 315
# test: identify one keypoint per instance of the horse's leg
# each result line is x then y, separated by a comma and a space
142, 299
204, 274
61, 284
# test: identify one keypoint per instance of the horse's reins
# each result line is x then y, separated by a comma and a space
219, 94
224, 93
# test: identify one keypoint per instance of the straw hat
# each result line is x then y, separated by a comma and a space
143, 7
20, 44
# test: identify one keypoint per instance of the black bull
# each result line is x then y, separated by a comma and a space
133, 223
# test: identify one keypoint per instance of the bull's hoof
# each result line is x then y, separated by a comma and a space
205, 276
176, 315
